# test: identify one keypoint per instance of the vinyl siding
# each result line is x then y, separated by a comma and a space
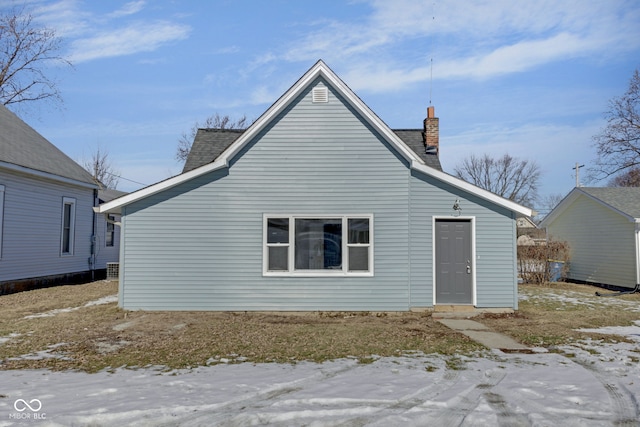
199, 246
495, 243
104, 253
602, 243
32, 228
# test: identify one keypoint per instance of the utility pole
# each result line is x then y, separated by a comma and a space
577, 169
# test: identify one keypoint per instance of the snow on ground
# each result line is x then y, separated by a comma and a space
591, 384
569, 298
51, 313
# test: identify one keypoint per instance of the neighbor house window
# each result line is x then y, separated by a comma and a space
110, 235
68, 226
332, 245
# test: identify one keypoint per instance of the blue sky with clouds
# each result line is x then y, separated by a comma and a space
531, 79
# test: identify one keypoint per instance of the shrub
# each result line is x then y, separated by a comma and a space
534, 261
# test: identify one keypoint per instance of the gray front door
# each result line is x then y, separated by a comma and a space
454, 283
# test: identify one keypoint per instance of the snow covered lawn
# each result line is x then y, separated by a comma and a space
586, 383
598, 385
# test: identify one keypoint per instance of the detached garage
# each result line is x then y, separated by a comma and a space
602, 227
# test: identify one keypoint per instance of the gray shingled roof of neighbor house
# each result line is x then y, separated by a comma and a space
21, 145
109, 194
623, 199
208, 144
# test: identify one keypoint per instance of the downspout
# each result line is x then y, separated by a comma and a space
94, 230
637, 253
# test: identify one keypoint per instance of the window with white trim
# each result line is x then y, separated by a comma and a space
110, 231
68, 226
318, 245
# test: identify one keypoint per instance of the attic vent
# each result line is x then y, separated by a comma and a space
320, 94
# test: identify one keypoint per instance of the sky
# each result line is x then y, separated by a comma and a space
585, 383
528, 79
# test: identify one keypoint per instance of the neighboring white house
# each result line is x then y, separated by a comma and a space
48, 230
318, 205
602, 227
107, 235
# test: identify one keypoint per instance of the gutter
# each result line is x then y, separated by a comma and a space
46, 175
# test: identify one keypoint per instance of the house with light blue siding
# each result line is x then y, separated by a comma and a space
49, 233
318, 205
602, 227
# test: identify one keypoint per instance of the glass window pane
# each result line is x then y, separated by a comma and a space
318, 244
66, 228
110, 230
278, 258
359, 258
359, 230
278, 230
67, 215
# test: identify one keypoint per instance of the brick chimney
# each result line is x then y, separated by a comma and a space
430, 133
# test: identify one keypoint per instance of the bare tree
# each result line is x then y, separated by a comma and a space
26, 50
102, 170
546, 204
618, 144
506, 176
631, 178
212, 122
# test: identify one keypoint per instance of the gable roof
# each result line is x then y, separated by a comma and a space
24, 150
209, 143
622, 200
319, 69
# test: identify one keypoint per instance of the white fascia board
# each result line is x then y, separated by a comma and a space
46, 175
371, 117
568, 201
115, 205
320, 69
595, 199
473, 189
560, 207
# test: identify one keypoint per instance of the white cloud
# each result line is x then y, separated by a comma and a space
468, 39
65, 17
130, 8
135, 38
93, 36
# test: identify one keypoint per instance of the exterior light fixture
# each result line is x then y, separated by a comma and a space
457, 210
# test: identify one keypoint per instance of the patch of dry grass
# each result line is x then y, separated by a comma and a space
550, 315
92, 338
97, 337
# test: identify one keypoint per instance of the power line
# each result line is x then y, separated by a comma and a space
126, 179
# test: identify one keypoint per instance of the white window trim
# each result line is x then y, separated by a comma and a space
344, 272
110, 219
1, 216
72, 226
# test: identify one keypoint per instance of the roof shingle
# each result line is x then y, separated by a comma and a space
208, 144
623, 199
21, 145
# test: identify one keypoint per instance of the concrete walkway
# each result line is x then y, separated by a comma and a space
483, 335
